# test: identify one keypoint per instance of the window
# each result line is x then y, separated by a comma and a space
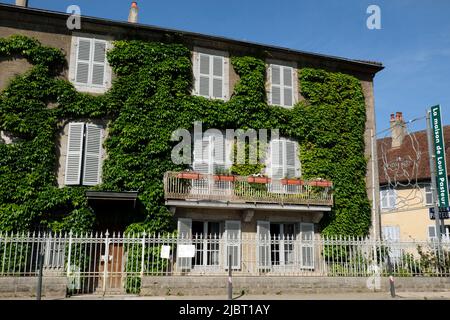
210, 154
89, 69
211, 74
387, 198
281, 85
428, 195
432, 232
284, 160
84, 154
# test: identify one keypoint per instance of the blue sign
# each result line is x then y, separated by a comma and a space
443, 213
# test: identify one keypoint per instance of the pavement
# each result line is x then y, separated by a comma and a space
310, 296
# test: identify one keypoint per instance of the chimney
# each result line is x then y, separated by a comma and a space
133, 16
22, 3
398, 129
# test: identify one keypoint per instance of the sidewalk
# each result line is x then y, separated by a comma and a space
331, 296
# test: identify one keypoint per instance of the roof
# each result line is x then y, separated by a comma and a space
372, 66
410, 161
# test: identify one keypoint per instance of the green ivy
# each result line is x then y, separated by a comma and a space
149, 99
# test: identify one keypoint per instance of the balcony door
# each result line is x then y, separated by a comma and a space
206, 237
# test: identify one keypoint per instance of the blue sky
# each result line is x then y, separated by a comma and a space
413, 43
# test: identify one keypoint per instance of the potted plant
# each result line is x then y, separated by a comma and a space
292, 181
320, 183
223, 175
189, 175
258, 179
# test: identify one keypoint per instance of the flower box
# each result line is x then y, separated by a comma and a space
258, 180
320, 183
224, 178
189, 175
296, 182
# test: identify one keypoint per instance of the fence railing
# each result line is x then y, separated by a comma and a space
118, 262
191, 185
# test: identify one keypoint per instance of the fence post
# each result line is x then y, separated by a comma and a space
106, 261
41, 266
230, 282
70, 253
143, 254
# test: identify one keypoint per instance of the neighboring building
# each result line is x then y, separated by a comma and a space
208, 206
405, 193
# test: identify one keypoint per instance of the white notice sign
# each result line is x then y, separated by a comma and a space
185, 251
165, 252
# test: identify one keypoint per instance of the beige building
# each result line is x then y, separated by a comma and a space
404, 174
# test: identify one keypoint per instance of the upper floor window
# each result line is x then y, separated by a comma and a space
387, 198
89, 70
210, 154
211, 74
281, 85
84, 154
283, 159
428, 195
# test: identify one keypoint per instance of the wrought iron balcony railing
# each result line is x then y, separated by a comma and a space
241, 189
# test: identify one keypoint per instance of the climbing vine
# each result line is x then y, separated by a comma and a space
149, 99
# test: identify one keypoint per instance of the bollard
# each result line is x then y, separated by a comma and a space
391, 278
39, 284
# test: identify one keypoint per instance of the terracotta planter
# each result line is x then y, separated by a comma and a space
295, 182
323, 183
258, 180
189, 175
224, 178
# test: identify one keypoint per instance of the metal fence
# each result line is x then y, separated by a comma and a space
116, 262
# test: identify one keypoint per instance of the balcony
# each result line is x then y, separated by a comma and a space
240, 189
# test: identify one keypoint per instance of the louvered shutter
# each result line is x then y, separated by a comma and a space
287, 86
307, 248
184, 238
202, 156
218, 153
233, 243
74, 153
217, 77
275, 85
277, 159
92, 155
204, 76
83, 61
291, 155
264, 255
98, 63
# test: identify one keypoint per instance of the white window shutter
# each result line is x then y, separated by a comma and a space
218, 152
291, 156
287, 89
92, 155
202, 156
204, 75
233, 243
307, 252
277, 159
83, 61
217, 81
98, 63
185, 236
275, 88
74, 153
264, 254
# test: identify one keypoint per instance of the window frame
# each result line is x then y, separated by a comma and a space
74, 59
294, 82
211, 54
390, 205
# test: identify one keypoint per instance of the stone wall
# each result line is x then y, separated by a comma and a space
25, 287
205, 285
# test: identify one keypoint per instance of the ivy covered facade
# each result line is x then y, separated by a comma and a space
87, 119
